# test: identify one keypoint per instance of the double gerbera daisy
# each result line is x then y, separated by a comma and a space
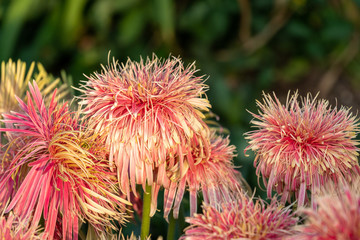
214, 176
152, 112
337, 215
302, 145
63, 168
243, 218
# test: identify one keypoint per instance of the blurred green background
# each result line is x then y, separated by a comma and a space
244, 47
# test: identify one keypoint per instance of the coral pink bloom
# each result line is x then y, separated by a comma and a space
337, 215
12, 228
67, 177
215, 176
241, 219
151, 110
301, 146
14, 79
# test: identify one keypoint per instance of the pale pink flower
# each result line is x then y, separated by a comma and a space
67, 178
337, 215
214, 176
151, 110
301, 146
243, 218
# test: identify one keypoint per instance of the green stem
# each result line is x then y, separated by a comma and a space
181, 220
145, 222
171, 227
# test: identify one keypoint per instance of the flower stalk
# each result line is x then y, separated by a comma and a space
145, 222
171, 228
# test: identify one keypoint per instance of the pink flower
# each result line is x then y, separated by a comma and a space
13, 228
302, 146
66, 170
337, 215
215, 176
241, 219
151, 110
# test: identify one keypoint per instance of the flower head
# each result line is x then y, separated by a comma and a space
303, 145
241, 219
67, 177
214, 176
149, 109
337, 215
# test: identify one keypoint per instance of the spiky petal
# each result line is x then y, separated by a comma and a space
151, 109
301, 146
68, 176
337, 215
134, 237
13, 228
5, 158
214, 176
91, 234
243, 218
14, 81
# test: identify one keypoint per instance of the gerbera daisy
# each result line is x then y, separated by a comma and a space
151, 109
300, 146
215, 176
241, 219
68, 178
337, 215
